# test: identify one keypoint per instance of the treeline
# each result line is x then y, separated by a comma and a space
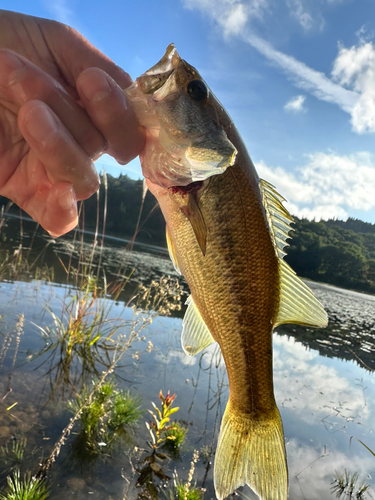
337, 252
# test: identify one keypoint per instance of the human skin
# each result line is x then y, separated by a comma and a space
61, 108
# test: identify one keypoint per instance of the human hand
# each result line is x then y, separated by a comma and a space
61, 107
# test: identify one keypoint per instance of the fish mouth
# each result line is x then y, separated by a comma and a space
154, 79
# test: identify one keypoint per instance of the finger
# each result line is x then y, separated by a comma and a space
56, 210
74, 54
56, 149
108, 108
22, 81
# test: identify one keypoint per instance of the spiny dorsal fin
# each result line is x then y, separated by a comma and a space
297, 302
279, 219
195, 334
171, 249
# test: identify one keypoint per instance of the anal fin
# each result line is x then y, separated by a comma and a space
297, 302
195, 334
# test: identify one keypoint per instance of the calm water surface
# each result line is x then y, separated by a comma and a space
324, 386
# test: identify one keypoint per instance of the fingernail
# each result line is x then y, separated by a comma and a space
41, 124
67, 200
95, 85
10, 67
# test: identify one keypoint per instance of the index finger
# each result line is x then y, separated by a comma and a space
22, 81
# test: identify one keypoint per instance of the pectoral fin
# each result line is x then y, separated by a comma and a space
195, 334
171, 249
194, 214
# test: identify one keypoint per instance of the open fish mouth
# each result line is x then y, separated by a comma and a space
153, 79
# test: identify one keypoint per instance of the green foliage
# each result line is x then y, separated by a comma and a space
193, 493
161, 431
110, 414
14, 455
175, 437
28, 488
334, 252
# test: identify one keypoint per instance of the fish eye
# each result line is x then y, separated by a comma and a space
197, 90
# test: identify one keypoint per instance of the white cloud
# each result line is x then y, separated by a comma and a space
304, 77
302, 385
351, 86
300, 13
295, 104
230, 15
355, 68
327, 185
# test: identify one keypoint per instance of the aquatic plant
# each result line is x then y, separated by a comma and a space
28, 488
160, 431
346, 486
80, 339
13, 456
180, 490
166, 297
110, 413
175, 437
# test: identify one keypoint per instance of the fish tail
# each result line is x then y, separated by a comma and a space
251, 451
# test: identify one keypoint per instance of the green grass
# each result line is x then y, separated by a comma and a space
13, 456
28, 488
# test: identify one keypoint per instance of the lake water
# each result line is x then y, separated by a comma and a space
324, 383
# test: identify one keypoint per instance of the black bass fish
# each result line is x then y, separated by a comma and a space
226, 230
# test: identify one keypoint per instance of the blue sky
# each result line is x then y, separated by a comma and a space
297, 77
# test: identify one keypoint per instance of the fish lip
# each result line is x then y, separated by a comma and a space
167, 64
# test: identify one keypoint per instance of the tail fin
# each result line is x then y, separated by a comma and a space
251, 452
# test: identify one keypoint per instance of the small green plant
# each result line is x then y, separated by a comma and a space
175, 437
160, 432
80, 341
179, 490
346, 486
13, 456
28, 488
110, 413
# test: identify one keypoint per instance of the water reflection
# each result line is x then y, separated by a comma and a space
324, 385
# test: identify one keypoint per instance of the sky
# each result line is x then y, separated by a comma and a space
296, 76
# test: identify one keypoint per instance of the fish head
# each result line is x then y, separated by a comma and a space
186, 138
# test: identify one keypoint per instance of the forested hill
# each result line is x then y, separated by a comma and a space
337, 252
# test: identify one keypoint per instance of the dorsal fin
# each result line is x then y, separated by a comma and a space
279, 219
297, 302
171, 249
195, 334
